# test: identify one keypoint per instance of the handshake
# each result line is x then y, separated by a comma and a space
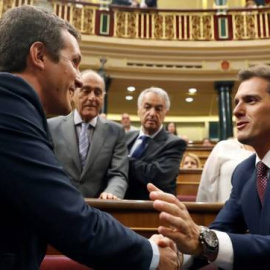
180, 235
170, 257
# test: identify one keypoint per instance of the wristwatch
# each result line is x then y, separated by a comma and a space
209, 243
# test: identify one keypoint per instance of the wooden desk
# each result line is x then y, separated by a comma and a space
199, 150
141, 214
190, 175
187, 188
141, 217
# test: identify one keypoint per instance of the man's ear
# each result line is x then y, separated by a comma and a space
37, 53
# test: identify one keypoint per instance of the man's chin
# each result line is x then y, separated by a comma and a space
150, 130
243, 139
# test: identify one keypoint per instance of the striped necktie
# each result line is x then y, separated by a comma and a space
83, 142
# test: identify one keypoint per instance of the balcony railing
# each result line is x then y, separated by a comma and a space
157, 24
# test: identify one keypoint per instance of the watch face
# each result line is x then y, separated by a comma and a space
210, 239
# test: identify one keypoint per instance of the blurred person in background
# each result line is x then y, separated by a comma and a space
190, 161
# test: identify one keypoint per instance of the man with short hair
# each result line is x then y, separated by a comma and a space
239, 238
39, 64
159, 160
126, 123
104, 172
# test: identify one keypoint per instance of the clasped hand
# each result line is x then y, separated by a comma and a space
170, 258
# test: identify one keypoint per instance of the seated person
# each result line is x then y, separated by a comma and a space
126, 123
206, 142
215, 184
99, 166
171, 127
190, 161
154, 154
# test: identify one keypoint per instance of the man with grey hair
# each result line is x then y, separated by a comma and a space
154, 154
103, 172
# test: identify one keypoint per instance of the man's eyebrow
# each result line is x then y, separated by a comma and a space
245, 97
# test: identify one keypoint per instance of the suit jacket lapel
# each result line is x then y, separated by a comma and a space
155, 144
131, 138
70, 138
251, 202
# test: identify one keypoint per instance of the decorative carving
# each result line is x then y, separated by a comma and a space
156, 24
88, 22
126, 25
77, 18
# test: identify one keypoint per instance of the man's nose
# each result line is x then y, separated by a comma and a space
152, 111
78, 81
238, 110
91, 95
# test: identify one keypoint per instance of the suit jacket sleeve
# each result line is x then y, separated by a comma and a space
118, 171
161, 168
246, 223
44, 203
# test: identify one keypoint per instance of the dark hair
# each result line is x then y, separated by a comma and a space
20, 27
261, 71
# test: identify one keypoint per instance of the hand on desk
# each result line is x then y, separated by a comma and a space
181, 228
108, 196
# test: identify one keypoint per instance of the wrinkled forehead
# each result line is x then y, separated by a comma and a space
153, 99
254, 86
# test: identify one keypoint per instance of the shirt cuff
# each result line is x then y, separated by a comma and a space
225, 255
187, 261
156, 255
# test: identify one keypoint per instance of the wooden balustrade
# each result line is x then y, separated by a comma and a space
141, 217
159, 24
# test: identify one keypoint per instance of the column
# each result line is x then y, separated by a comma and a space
224, 89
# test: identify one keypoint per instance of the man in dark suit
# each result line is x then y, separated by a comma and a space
239, 238
159, 162
104, 174
39, 64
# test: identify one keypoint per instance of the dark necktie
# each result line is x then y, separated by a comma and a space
83, 142
261, 179
138, 152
